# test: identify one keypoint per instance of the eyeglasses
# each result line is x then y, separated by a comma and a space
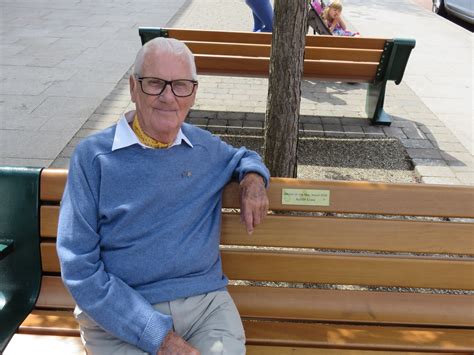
156, 86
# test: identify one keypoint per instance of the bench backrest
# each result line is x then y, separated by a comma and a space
326, 57
320, 265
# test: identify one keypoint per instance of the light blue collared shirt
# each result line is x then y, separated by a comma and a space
125, 137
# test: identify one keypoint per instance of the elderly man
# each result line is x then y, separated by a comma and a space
139, 227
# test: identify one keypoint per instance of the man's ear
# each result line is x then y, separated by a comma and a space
133, 86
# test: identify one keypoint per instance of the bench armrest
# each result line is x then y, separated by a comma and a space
148, 33
399, 58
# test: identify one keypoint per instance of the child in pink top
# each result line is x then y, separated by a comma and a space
333, 19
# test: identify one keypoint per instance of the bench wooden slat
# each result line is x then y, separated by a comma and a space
340, 233
402, 271
59, 320
339, 70
372, 198
238, 66
331, 306
346, 197
49, 216
345, 42
266, 38
220, 36
362, 337
339, 269
333, 233
52, 184
344, 54
322, 69
54, 295
380, 198
365, 307
45, 344
263, 50
341, 336
56, 345
230, 49
291, 350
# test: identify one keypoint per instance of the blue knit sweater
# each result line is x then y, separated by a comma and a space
142, 226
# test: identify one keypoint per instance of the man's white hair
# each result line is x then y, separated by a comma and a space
166, 46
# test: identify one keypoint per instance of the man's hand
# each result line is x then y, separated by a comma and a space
253, 201
175, 345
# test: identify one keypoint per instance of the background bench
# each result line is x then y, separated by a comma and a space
292, 300
368, 60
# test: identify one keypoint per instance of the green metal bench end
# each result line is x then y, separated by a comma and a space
148, 33
20, 270
391, 67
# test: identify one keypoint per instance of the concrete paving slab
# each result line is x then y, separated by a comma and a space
59, 60
43, 145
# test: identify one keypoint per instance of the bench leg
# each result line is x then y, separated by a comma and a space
374, 104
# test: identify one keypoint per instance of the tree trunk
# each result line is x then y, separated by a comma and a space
284, 87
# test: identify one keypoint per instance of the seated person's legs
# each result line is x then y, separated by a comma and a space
217, 327
99, 342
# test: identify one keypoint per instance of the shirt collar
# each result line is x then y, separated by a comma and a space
125, 137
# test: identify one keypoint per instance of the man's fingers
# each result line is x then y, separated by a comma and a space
253, 215
246, 217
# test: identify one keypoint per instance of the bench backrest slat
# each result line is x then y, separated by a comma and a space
345, 197
339, 234
340, 269
332, 305
266, 38
331, 268
52, 184
263, 50
372, 198
333, 233
247, 66
220, 36
343, 54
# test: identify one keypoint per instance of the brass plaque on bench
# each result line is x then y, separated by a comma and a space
307, 197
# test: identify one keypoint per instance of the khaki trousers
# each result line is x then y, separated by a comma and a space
209, 322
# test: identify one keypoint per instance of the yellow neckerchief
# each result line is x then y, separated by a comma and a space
146, 139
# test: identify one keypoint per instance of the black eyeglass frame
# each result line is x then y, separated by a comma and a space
167, 82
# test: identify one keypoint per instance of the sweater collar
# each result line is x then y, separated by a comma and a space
125, 137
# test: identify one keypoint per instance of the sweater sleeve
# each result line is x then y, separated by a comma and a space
109, 301
251, 162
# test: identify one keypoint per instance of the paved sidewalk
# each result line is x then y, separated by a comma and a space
58, 60
229, 105
440, 70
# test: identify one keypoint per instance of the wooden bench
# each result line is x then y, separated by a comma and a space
313, 282
368, 60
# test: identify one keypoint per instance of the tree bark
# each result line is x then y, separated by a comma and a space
284, 87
